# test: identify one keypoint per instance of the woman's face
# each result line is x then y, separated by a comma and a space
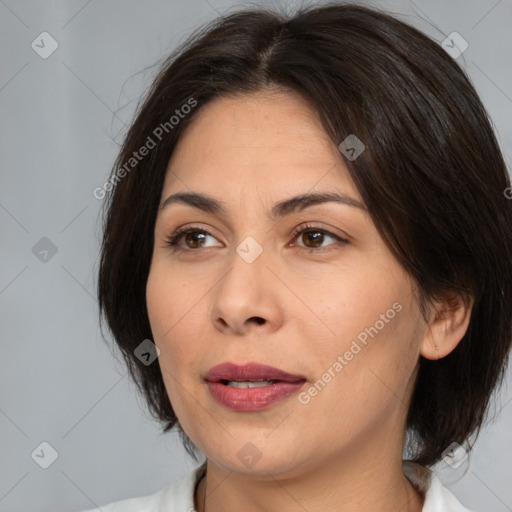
332, 307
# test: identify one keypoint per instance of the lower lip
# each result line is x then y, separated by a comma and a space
253, 399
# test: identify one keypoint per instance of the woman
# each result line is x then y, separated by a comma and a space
307, 218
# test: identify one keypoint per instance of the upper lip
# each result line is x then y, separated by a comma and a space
249, 371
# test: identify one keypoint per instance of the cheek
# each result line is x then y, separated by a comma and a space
359, 387
170, 301
167, 307
368, 354
349, 306
171, 316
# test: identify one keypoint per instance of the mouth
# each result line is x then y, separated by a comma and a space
254, 374
246, 384
252, 386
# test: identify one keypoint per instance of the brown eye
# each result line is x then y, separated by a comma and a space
193, 237
313, 237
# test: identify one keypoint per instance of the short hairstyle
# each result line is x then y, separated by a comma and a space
432, 176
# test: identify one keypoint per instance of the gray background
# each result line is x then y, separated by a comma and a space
61, 120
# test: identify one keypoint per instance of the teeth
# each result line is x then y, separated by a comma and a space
249, 384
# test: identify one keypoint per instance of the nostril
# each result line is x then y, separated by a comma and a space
258, 320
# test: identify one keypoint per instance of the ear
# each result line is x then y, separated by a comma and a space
448, 322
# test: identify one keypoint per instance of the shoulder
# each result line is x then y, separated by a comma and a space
438, 498
176, 496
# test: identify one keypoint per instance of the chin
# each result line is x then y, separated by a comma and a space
259, 461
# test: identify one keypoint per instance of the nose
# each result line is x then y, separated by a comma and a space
248, 299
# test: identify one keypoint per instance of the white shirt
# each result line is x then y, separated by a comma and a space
178, 495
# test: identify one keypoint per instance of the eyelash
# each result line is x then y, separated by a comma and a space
173, 240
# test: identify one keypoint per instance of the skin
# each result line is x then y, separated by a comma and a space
342, 451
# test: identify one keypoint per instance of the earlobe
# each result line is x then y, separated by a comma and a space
449, 321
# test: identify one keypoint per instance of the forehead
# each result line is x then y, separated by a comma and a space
257, 142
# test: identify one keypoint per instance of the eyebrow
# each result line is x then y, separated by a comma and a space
281, 209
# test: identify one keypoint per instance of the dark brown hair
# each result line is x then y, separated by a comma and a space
432, 176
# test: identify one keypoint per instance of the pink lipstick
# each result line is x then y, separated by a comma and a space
252, 386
